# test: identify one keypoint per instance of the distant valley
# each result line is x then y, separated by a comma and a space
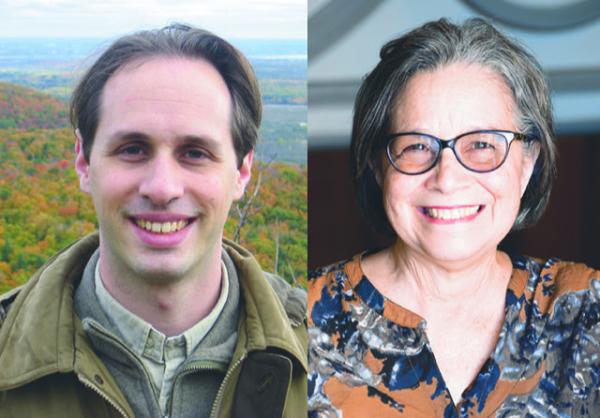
52, 66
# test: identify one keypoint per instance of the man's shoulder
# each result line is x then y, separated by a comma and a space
62, 268
292, 298
6, 301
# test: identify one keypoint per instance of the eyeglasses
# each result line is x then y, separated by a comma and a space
479, 151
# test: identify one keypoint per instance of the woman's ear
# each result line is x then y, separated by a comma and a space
530, 156
375, 168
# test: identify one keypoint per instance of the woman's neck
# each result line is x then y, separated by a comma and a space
425, 286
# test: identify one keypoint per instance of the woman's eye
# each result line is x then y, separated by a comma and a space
482, 145
416, 148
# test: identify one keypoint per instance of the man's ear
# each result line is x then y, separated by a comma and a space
529, 159
244, 174
82, 166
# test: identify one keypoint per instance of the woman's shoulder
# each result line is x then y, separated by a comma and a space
328, 286
564, 276
553, 281
339, 273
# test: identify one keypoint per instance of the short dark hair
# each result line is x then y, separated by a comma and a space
175, 40
429, 47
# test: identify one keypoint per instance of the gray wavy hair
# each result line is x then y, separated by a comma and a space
429, 47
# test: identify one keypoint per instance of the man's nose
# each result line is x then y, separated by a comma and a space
162, 183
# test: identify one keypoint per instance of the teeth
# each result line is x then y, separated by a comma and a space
161, 227
451, 214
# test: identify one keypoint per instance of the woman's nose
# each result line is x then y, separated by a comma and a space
448, 174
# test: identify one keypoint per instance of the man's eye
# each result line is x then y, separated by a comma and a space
132, 151
194, 154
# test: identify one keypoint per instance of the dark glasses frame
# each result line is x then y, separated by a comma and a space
509, 137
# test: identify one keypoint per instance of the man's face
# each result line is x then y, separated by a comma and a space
163, 171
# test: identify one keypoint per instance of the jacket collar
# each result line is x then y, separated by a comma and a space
39, 333
41, 330
266, 320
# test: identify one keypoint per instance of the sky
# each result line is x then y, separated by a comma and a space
234, 19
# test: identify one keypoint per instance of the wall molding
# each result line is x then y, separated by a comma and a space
542, 18
332, 21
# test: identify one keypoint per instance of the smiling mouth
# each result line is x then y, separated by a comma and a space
162, 227
451, 214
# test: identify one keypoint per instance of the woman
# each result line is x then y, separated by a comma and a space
451, 149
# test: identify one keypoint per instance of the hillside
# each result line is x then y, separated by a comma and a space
42, 209
25, 108
282, 134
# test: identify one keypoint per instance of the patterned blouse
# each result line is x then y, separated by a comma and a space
370, 357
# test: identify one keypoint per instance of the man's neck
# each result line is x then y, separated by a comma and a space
171, 307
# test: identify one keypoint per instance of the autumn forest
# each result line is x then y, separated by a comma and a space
42, 209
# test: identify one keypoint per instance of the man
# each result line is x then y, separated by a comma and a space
158, 315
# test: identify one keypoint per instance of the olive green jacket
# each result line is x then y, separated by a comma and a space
48, 368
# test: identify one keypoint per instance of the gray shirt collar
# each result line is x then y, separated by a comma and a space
145, 340
216, 346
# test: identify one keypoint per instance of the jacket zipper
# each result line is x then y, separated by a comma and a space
132, 356
217, 402
206, 365
90, 385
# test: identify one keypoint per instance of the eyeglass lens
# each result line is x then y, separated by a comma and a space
478, 151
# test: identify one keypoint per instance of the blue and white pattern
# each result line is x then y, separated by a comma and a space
368, 359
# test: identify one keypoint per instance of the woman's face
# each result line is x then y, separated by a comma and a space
450, 214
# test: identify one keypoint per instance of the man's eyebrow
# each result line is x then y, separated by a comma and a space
124, 136
204, 141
